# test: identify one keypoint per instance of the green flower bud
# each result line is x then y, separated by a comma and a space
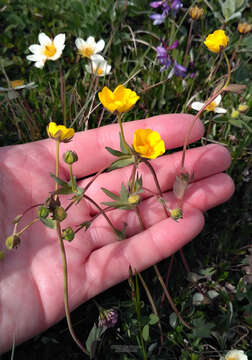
59, 213
43, 212
12, 242
2, 254
243, 108
235, 114
70, 157
68, 234
176, 214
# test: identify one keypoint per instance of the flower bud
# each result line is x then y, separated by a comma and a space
176, 214
59, 213
70, 157
134, 199
12, 242
68, 234
43, 212
244, 28
2, 254
52, 203
235, 114
195, 12
108, 318
242, 108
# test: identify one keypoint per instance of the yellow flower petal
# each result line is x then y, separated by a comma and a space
216, 41
60, 132
148, 143
120, 100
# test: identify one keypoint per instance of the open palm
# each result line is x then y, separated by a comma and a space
31, 277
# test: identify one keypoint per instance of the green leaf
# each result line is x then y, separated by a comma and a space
50, 223
153, 319
58, 180
146, 332
93, 337
114, 152
110, 194
122, 162
202, 329
124, 193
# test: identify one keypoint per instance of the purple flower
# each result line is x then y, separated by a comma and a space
156, 4
108, 318
158, 18
179, 70
176, 5
163, 54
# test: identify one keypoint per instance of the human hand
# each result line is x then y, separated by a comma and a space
31, 285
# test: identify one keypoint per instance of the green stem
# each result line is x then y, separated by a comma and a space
57, 162
72, 178
62, 93
66, 300
27, 227
119, 117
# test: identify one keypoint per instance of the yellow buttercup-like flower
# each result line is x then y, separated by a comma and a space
148, 143
120, 100
216, 41
60, 132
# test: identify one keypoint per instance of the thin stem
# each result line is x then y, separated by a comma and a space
57, 163
154, 309
173, 306
26, 227
147, 163
168, 276
119, 117
189, 40
62, 93
66, 300
103, 213
71, 177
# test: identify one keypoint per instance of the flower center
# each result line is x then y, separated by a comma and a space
87, 51
232, 358
99, 71
49, 50
211, 106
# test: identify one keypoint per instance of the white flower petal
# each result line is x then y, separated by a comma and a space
79, 42
98, 59
35, 49
59, 41
99, 46
36, 57
44, 39
236, 354
217, 100
220, 110
39, 64
91, 40
197, 105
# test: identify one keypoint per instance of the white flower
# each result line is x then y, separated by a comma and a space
98, 66
213, 106
89, 47
236, 355
47, 50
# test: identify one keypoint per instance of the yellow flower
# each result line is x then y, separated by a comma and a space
120, 100
16, 83
244, 28
216, 41
148, 143
60, 132
195, 12
243, 108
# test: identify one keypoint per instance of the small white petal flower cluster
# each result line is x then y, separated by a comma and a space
51, 49
90, 49
235, 355
213, 106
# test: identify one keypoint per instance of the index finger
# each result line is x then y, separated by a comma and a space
90, 145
